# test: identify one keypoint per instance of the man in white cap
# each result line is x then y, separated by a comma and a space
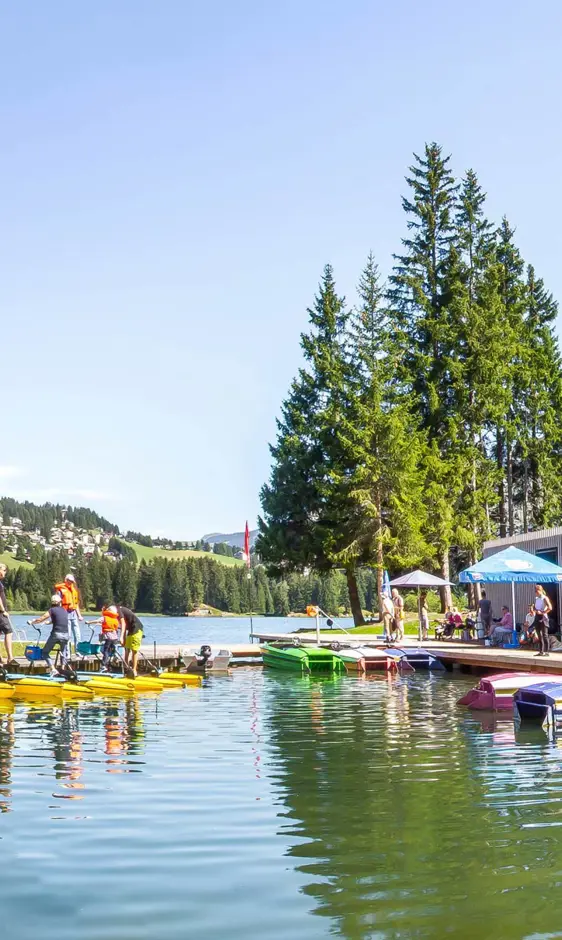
70, 600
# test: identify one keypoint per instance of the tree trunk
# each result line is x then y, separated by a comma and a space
510, 507
445, 592
354, 602
525, 485
380, 574
501, 484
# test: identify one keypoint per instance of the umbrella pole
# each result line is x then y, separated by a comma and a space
419, 616
513, 602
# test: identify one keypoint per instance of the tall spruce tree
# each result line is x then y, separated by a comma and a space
379, 478
508, 427
538, 469
301, 504
419, 294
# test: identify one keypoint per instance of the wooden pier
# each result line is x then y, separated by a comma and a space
453, 653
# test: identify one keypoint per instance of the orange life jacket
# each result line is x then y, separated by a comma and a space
69, 595
111, 620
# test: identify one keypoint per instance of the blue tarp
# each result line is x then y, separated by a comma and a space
512, 565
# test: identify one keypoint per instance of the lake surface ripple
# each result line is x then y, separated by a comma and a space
274, 807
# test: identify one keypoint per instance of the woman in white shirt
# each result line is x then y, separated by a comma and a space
542, 608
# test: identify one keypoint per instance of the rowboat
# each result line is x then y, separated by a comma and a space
541, 702
6, 691
304, 660
205, 661
495, 693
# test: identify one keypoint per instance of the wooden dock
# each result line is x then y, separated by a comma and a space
453, 653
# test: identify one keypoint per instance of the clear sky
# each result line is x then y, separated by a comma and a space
174, 175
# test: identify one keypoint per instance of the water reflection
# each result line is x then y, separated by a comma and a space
7, 738
66, 739
403, 809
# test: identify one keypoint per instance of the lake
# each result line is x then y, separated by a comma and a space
264, 806
193, 631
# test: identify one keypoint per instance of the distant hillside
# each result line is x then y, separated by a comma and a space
232, 538
145, 553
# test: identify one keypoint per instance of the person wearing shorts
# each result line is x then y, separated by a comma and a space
131, 637
6, 629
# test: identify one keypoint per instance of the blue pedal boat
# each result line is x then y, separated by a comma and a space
541, 703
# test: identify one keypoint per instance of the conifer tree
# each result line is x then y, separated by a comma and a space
419, 295
512, 299
301, 521
379, 478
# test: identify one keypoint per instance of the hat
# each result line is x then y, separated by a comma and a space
55, 599
70, 577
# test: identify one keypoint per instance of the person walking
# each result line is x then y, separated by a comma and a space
59, 635
485, 612
543, 607
70, 601
398, 602
131, 636
6, 629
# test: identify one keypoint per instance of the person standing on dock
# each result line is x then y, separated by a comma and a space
70, 600
542, 610
398, 602
387, 617
6, 629
59, 634
131, 636
485, 612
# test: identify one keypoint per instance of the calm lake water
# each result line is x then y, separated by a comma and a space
191, 631
265, 806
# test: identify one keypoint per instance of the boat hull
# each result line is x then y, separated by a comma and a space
292, 659
495, 693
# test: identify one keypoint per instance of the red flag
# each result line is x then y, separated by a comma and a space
247, 544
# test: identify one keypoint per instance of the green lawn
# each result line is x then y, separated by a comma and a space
11, 562
147, 554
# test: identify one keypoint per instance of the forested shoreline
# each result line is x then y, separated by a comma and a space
176, 587
426, 416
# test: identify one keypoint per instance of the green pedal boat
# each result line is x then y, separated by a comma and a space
302, 659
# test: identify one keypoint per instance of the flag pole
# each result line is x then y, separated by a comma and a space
248, 560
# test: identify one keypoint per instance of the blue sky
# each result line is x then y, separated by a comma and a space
174, 176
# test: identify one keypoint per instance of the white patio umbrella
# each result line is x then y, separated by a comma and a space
418, 579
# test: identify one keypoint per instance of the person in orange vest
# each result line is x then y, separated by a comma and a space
70, 600
110, 632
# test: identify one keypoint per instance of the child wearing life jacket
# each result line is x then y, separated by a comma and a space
110, 633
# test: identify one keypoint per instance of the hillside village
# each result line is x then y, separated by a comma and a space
67, 537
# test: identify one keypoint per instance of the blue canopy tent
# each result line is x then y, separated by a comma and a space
512, 566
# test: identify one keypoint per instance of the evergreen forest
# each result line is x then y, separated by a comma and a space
425, 417
175, 587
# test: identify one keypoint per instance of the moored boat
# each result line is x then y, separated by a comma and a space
415, 656
495, 693
352, 658
541, 702
302, 659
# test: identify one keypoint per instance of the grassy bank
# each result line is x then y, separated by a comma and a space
145, 553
